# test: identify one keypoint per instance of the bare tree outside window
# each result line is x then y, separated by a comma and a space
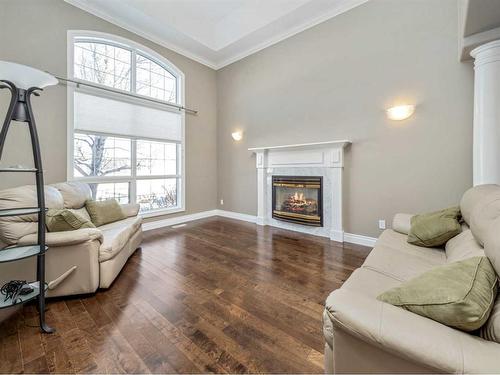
109, 66
105, 161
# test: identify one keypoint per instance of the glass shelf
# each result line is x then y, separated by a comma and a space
19, 211
20, 252
22, 299
12, 169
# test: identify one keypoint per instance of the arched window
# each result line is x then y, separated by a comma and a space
125, 147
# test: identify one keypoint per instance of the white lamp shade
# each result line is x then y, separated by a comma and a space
25, 77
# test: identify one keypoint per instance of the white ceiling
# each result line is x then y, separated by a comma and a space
216, 32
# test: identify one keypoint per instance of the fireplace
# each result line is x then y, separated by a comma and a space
298, 199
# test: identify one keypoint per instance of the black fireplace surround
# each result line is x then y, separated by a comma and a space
298, 199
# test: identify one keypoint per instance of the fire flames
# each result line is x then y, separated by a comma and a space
298, 203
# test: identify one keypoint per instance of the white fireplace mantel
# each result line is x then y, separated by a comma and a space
320, 158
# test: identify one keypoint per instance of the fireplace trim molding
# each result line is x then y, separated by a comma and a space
326, 155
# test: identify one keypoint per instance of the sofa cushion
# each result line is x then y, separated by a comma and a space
362, 281
104, 212
486, 211
370, 282
459, 294
401, 223
394, 257
472, 197
462, 247
13, 228
116, 235
492, 245
435, 228
74, 193
491, 330
398, 264
65, 220
397, 241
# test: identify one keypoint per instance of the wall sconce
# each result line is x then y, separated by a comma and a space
400, 112
237, 136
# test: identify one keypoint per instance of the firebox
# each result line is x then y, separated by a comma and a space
298, 199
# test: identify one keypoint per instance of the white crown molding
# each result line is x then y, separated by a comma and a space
473, 41
127, 26
216, 63
346, 6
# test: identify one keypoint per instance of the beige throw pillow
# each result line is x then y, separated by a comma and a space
104, 212
62, 220
435, 228
459, 294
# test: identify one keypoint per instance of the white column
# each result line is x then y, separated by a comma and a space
486, 144
261, 165
336, 164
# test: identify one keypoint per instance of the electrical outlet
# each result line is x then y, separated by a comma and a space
381, 224
222, 202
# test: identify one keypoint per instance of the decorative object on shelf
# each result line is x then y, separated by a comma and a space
400, 112
23, 82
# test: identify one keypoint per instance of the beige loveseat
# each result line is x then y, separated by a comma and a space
77, 261
364, 335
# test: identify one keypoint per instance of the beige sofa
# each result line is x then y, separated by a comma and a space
78, 261
364, 335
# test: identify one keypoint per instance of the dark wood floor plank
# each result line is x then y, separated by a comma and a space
216, 295
30, 337
133, 325
10, 347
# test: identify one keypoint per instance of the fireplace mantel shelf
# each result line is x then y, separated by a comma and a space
342, 143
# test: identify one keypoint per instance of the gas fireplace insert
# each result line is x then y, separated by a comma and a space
298, 199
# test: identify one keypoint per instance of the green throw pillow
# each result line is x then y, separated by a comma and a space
65, 220
435, 228
104, 212
459, 294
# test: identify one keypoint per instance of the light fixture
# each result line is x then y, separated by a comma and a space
23, 81
400, 112
237, 135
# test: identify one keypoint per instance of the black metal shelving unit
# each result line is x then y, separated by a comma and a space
20, 110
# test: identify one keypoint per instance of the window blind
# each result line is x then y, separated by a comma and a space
98, 114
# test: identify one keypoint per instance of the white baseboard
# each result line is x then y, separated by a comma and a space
348, 237
358, 239
177, 220
237, 216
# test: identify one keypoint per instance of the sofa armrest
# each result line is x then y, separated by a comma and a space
402, 223
411, 336
130, 209
72, 237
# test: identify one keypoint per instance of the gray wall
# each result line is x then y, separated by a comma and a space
34, 32
330, 82
333, 82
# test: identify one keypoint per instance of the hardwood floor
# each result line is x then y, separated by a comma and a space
217, 295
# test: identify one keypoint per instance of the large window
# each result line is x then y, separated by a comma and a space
126, 148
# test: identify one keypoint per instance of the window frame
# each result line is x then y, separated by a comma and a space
135, 48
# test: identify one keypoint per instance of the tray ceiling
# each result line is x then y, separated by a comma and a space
216, 32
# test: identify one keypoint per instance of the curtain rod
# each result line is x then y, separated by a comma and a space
78, 83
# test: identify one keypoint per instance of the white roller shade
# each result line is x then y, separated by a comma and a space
105, 115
